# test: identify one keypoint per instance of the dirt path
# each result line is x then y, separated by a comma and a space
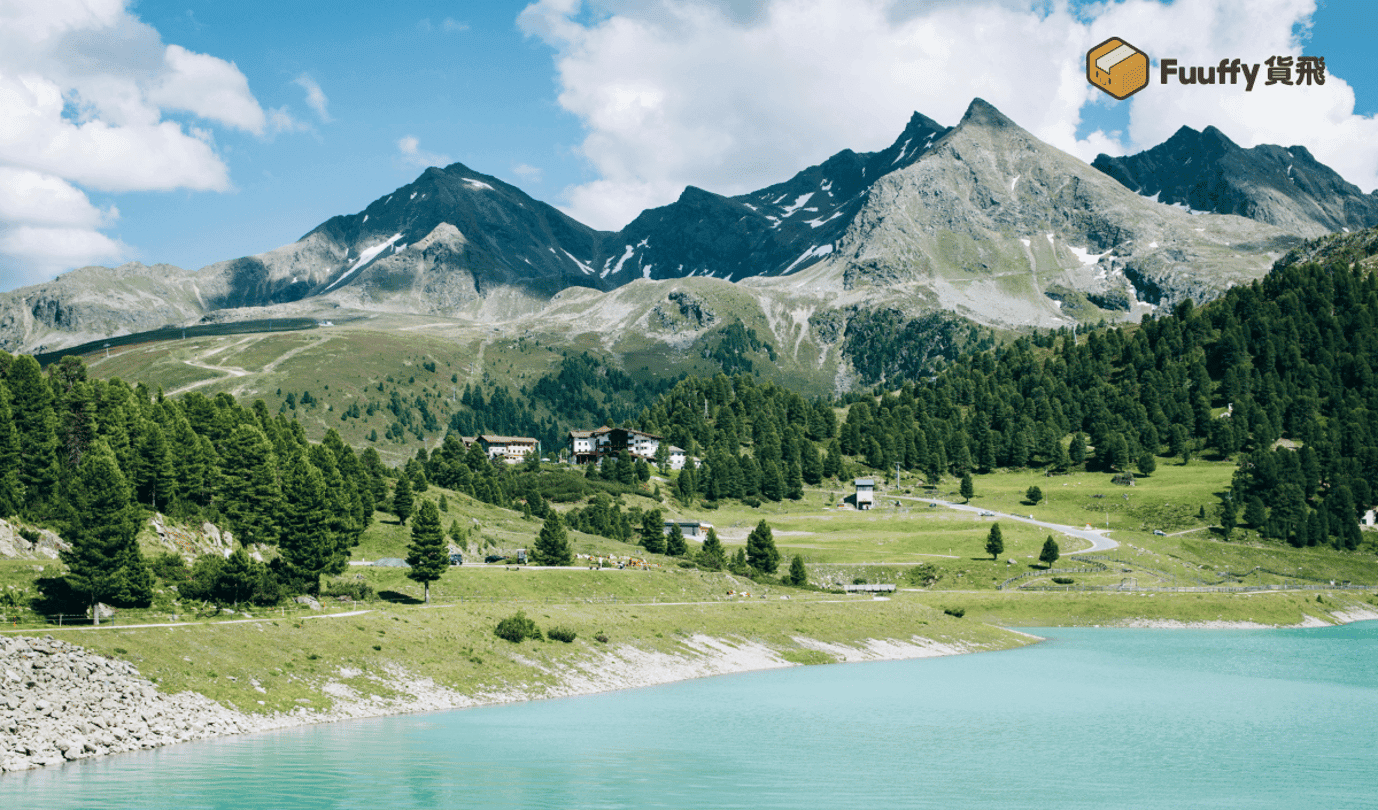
1096, 537
236, 371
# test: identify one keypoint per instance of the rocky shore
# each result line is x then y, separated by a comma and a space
60, 702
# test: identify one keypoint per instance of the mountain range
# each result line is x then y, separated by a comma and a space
981, 220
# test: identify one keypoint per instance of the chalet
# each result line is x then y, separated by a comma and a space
512, 449
584, 444
677, 458
591, 445
691, 529
865, 493
1370, 517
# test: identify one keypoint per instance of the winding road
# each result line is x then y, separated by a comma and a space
1096, 537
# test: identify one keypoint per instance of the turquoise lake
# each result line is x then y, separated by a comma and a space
1093, 718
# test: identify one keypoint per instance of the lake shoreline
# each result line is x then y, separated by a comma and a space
68, 721
154, 719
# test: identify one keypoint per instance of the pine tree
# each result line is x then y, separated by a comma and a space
1050, 552
1076, 451
11, 488
1227, 517
674, 543
552, 546
712, 556
798, 574
250, 497
1034, 495
1147, 463
237, 578
761, 553
995, 542
31, 408
402, 500
427, 554
967, 488
107, 524
309, 547
652, 525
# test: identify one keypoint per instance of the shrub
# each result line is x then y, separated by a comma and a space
601, 638
31, 535
1063, 580
358, 590
955, 613
518, 627
170, 568
561, 634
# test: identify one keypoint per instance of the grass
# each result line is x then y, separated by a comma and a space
292, 659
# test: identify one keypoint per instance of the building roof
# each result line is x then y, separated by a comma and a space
674, 449
580, 434
506, 439
865, 482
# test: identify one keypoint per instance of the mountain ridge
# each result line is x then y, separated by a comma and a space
981, 219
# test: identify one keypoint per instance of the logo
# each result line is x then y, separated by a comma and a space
1117, 67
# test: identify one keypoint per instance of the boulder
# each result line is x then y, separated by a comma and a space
309, 601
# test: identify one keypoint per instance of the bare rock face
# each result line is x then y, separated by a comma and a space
21, 542
59, 702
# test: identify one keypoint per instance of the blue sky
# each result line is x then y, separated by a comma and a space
190, 131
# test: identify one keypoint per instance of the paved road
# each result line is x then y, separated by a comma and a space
1096, 537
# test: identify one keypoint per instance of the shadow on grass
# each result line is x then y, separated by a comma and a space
398, 598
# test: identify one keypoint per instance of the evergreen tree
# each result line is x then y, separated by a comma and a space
107, 524
674, 543
250, 497
967, 488
1050, 552
995, 542
1255, 513
31, 408
237, 579
1076, 451
1227, 517
798, 574
1034, 495
761, 553
739, 565
309, 548
445, 504
11, 488
772, 482
552, 546
832, 461
427, 554
712, 556
652, 525
402, 500
1147, 463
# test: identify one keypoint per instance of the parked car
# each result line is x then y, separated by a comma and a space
984, 513
456, 559
1160, 532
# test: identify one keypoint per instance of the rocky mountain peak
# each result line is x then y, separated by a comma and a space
1284, 186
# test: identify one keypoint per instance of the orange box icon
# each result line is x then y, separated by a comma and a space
1117, 67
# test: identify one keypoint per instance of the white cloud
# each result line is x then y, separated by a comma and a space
412, 155
84, 86
731, 99
453, 26
315, 97
209, 87
527, 172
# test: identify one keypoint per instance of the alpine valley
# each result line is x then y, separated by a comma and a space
951, 236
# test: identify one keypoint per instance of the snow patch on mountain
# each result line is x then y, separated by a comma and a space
819, 250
